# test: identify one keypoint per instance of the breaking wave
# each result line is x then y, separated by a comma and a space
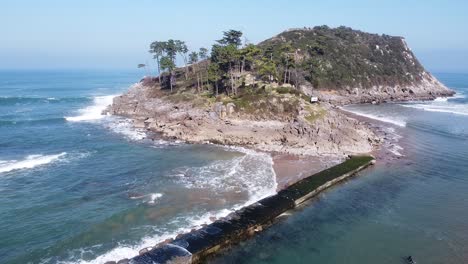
29, 162
125, 128
454, 105
395, 120
92, 112
252, 172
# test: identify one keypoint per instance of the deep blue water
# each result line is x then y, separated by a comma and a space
414, 202
80, 187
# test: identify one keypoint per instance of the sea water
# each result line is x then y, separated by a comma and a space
412, 203
77, 186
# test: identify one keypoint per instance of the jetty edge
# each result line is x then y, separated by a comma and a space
196, 246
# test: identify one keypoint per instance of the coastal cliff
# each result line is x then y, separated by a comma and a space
259, 96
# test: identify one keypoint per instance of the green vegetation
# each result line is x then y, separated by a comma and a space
318, 58
315, 112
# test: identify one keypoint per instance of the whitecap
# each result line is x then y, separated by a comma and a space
154, 197
29, 162
93, 112
125, 128
253, 172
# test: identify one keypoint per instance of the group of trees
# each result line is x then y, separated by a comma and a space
165, 53
224, 69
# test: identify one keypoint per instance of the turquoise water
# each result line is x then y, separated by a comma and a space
80, 187
412, 203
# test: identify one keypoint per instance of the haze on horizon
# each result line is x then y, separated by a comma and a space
53, 34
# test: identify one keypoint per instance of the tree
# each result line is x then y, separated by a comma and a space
266, 69
248, 55
203, 55
182, 49
227, 58
214, 75
158, 48
287, 60
171, 49
141, 65
167, 63
193, 59
231, 37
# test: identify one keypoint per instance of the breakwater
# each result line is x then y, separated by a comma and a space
197, 245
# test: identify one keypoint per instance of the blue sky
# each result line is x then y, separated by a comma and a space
109, 34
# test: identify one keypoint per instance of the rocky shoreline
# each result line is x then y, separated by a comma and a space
332, 133
428, 88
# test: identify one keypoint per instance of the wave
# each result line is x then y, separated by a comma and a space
395, 120
125, 127
29, 162
92, 112
442, 105
252, 172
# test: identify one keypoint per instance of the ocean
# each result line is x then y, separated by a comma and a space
413, 202
77, 186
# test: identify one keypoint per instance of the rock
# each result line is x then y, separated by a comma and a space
123, 261
138, 124
144, 250
230, 109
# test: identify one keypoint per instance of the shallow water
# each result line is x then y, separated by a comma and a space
80, 187
413, 203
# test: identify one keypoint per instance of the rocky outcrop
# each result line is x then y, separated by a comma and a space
428, 88
330, 133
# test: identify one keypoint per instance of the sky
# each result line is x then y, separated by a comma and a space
115, 34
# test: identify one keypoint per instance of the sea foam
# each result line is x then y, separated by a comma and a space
253, 172
92, 112
29, 162
395, 120
442, 105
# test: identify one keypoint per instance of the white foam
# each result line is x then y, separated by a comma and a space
154, 197
93, 112
29, 162
124, 127
398, 121
253, 172
442, 105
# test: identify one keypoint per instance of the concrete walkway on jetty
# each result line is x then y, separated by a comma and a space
196, 246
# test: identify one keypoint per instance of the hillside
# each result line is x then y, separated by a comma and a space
260, 95
352, 62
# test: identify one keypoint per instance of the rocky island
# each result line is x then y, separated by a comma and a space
281, 95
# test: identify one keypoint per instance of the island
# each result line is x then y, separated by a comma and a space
281, 96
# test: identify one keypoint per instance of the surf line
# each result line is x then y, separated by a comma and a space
196, 246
